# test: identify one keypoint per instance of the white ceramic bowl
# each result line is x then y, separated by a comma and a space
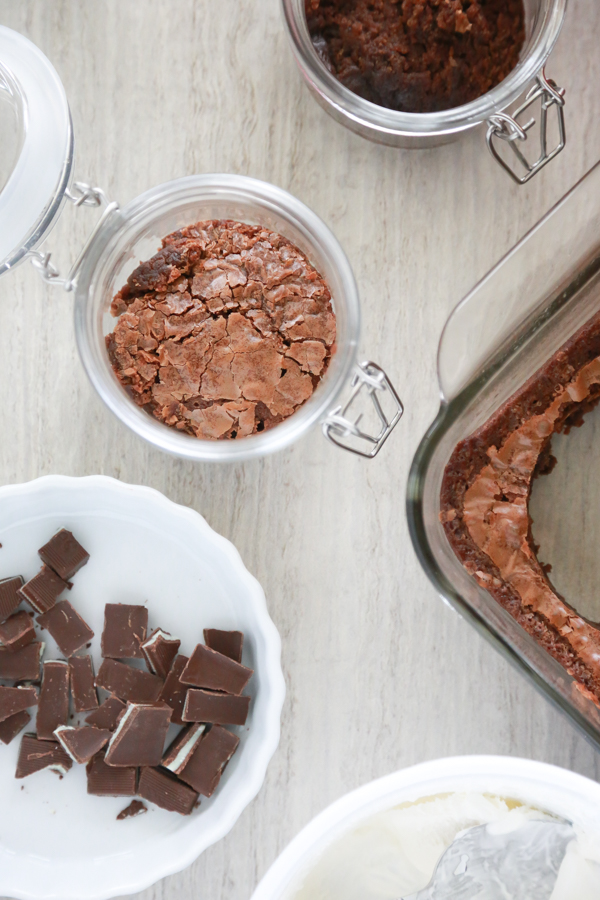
550, 788
56, 841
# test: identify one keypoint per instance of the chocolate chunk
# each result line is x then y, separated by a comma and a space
219, 709
135, 808
83, 690
160, 650
108, 714
108, 781
17, 631
140, 736
180, 752
64, 554
174, 692
42, 590
164, 789
9, 596
53, 705
208, 669
203, 771
125, 628
22, 665
82, 743
67, 627
10, 728
229, 643
128, 683
14, 700
35, 755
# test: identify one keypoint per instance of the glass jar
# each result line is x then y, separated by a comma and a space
510, 324
124, 237
543, 21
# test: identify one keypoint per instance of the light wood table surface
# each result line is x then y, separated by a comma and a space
380, 674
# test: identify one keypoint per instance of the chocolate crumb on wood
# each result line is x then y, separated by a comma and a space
160, 650
22, 665
135, 808
11, 727
128, 683
53, 704
17, 631
229, 643
83, 688
206, 765
125, 627
35, 755
110, 781
42, 591
9, 596
108, 714
139, 738
67, 627
165, 790
208, 669
14, 700
216, 708
64, 554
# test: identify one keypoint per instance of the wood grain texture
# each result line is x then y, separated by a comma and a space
380, 674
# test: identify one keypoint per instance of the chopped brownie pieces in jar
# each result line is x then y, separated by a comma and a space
225, 332
418, 55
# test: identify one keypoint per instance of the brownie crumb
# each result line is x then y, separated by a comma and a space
418, 55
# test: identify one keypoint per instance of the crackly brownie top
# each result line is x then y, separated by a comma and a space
226, 331
418, 55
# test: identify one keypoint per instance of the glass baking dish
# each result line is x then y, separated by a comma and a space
507, 327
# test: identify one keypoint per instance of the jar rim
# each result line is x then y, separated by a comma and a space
379, 119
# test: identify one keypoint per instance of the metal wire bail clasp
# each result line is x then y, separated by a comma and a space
345, 432
81, 194
508, 129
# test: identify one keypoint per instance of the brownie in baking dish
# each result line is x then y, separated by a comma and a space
485, 496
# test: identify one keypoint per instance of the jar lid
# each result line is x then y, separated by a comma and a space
37, 153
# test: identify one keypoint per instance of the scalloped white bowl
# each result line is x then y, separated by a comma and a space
56, 841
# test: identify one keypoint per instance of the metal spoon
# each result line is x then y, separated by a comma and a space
518, 865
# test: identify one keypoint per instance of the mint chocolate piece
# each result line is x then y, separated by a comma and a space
64, 554
81, 743
67, 627
203, 771
160, 787
134, 809
108, 714
108, 781
229, 643
174, 692
22, 665
128, 683
11, 727
17, 631
14, 700
83, 689
218, 709
181, 750
125, 627
9, 596
35, 755
160, 650
208, 669
53, 704
42, 590
139, 738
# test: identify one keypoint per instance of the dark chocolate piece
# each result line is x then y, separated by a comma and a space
83, 689
139, 738
160, 650
9, 596
229, 643
11, 727
82, 743
14, 700
209, 669
219, 709
174, 692
161, 787
108, 781
64, 554
42, 590
135, 808
125, 628
128, 683
108, 714
67, 627
53, 705
22, 665
17, 631
203, 771
183, 747
35, 755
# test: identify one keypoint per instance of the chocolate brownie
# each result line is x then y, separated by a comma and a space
485, 496
418, 55
225, 332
